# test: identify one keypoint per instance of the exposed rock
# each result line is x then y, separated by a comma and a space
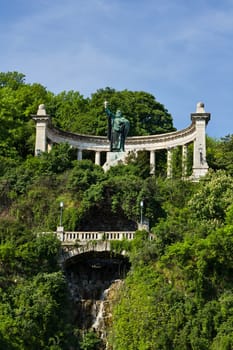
94, 281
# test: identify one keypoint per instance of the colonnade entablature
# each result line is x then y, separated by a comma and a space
47, 135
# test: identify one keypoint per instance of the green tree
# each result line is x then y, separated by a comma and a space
68, 111
37, 312
224, 154
90, 341
146, 115
12, 79
18, 101
213, 197
84, 174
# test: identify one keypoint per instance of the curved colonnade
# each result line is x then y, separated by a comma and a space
47, 135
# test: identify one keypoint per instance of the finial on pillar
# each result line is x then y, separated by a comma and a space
41, 110
41, 114
200, 113
200, 107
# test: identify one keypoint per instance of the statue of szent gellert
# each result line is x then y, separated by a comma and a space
118, 128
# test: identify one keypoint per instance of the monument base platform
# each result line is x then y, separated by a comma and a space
114, 158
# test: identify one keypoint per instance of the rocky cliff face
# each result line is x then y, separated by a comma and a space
103, 320
94, 280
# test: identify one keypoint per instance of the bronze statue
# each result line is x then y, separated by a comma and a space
118, 128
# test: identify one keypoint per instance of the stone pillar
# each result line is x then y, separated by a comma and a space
42, 120
97, 157
169, 163
200, 118
152, 162
79, 154
60, 233
184, 160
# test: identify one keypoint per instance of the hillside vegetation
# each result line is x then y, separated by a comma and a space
178, 294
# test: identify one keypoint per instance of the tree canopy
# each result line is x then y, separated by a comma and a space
70, 111
178, 293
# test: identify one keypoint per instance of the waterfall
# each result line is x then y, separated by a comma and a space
94, 280
99, 324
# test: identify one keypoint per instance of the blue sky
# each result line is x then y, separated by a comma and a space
181, 51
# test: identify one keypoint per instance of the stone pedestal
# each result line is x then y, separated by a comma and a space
143, 227
60, 233
114, 158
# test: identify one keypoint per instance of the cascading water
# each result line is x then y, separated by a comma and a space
98, 324
103, 318
94, 283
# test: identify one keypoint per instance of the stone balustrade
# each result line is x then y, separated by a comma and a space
82, 237
71, 236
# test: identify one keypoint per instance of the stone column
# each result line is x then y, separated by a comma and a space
152, 162
200, 118
97, 157
184, 160
169, 163
42, 120
79, 154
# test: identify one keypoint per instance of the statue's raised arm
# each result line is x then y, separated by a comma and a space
118, 128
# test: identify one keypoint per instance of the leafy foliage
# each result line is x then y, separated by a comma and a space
146, 115
90, 341
175, 295
214, 196
178, 294
34, 296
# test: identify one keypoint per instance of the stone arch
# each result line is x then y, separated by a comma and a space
90, 275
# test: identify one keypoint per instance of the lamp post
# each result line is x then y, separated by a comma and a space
141, 207
61, 210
